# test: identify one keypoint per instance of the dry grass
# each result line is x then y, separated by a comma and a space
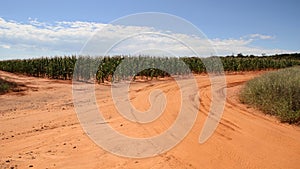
276, 93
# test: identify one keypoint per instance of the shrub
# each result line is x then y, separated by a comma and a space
5, 86
276, 93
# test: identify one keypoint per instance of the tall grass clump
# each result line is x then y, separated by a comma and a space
276, 93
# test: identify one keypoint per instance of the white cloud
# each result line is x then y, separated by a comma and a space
39, 38
260, 36
4, 46
61, 36
244, 45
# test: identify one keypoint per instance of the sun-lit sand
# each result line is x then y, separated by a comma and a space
39, 129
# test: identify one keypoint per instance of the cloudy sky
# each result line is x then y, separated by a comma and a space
35, 28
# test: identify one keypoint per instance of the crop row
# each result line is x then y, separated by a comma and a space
125, 67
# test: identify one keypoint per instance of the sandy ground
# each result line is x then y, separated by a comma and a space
39, 129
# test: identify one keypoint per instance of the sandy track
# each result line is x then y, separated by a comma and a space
39, 128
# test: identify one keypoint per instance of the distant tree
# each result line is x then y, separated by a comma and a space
240, 55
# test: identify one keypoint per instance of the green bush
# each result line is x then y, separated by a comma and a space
5, 86
276, 93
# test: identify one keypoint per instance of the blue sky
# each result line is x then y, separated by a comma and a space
266, 26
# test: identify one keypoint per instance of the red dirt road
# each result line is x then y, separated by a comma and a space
39, 129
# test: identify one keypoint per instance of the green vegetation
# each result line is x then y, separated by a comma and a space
5, 86
276, 93
64, 67
56, 67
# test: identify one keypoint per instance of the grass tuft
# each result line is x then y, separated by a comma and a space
276, 93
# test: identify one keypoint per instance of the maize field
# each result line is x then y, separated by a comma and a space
103, 69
